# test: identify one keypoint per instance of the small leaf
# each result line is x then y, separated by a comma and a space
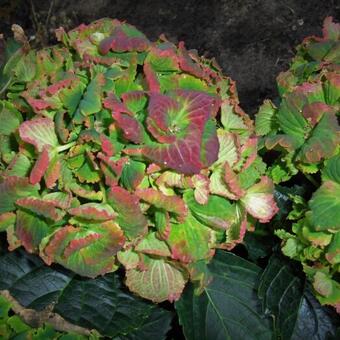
173, 204
259, 200
265, 119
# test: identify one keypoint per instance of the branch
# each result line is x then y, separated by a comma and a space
37, 319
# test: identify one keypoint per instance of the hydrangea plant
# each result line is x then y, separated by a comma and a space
304, 130
117, 151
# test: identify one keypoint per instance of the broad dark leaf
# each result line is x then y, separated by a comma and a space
228, 308
102, 303
29, 281
281, 292
315, 322
295, 311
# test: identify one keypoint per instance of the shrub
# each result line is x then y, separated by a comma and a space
119, 151
304, 129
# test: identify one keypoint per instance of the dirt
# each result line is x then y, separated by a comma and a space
253, 40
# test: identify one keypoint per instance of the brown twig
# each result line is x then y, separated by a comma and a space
39, 318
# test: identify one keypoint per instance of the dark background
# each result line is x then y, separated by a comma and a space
253, 40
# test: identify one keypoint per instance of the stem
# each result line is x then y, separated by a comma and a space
102, 189
4, 88
312, 180
62, 148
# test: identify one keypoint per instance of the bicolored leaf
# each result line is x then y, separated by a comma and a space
53, 172
39, 132
163, 58
128, 258
160, 281
88, 252
201, 183
322, 142
30, 230
46, 209
173, 204
135, 101
130, 217
259, 200
6, 220
94, 212
151, 245
228, 151
13, 188
132, 174
190, 241
183, 127
40, 166
124, 38
218, 212
60, 199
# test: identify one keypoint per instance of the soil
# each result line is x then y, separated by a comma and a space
253, 40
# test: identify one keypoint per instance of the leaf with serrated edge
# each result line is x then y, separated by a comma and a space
39, 132
159, 282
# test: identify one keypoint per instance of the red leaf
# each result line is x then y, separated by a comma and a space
40, 167
119, 41
232, 182
151, 78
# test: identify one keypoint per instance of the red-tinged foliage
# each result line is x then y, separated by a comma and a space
122, 130
40, 167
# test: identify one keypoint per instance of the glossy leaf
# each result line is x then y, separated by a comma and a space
228, 308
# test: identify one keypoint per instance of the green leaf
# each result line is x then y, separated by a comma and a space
132, 174
325, 206
91, 102
314, 322
332, 169
290, 118
130, 216
265, 119
228, 307
29, 281
322, 142
218, 212
104, 304
158, 281
281, 292
13, 188
190, 241
87, 251
39, 132
10, 118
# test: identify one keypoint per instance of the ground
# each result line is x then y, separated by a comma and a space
253, 40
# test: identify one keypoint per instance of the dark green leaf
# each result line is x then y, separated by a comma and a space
228, 308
